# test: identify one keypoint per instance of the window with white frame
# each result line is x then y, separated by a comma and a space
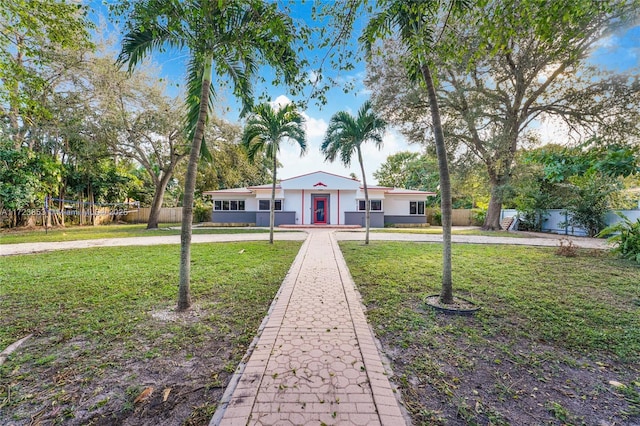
228, 205
266, 205
416, 207
375, 205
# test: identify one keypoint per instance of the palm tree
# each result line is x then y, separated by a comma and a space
230, 37
265, 129
417, 22
345, 135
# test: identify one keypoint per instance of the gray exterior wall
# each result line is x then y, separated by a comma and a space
282, 218
358, 218
221, 216
417, 218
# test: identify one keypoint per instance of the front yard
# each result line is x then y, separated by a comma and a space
557, 341
104, 331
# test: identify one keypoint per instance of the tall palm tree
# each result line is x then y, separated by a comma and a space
417, 22
265, 129
229, 37
345, 135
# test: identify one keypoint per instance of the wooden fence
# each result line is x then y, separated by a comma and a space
459, 217
167, 215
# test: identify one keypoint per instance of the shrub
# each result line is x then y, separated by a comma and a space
437, 217
478, 216
590, 202
201, 212
626, 237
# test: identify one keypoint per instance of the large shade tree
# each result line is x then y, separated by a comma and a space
345, 136
521, 65
420, 26
32, 36
133, 117
267, 127
230, 39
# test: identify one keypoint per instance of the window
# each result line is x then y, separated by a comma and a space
233, 205
376, 205
416, 207
266, 205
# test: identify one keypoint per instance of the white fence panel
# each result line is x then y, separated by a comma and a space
555, 218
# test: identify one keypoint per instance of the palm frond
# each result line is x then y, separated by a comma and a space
268, 126
346, 133
136, 45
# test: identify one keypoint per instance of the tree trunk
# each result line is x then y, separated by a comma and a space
272, 210
367, 207
494, 210
446, 293
184, 292
492, 219
92, 207
156, 205
61, 204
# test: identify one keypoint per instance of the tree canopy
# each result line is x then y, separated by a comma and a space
512, 68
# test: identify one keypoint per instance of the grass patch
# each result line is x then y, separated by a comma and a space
437, 230
104, 326
74, 233
548, 322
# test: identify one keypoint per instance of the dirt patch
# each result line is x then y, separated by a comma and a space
43, 384
452, 379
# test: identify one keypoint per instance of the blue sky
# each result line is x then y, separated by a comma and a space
619, 51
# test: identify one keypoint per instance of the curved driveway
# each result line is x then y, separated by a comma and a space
544, 241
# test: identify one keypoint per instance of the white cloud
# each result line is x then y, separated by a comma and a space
316, 127
294, 165
280, 101
313, 160
607, 42
552, 130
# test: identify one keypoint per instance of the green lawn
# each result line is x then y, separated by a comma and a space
92, 315
107, 231
437, 230
547, 322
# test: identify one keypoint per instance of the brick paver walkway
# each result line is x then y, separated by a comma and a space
315, 361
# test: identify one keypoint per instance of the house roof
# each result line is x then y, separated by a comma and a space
265, 186
402, 191
319, 181
230, 191
319, 171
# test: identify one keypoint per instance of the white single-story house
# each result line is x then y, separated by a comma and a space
318, 198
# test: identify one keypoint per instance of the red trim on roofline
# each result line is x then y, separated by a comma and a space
319, 171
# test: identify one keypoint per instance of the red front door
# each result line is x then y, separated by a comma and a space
320, 210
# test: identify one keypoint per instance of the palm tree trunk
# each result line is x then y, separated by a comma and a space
184, 292
446, 293
367, 207
272, 210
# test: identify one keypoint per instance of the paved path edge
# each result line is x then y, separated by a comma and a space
282, 293
377, 366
